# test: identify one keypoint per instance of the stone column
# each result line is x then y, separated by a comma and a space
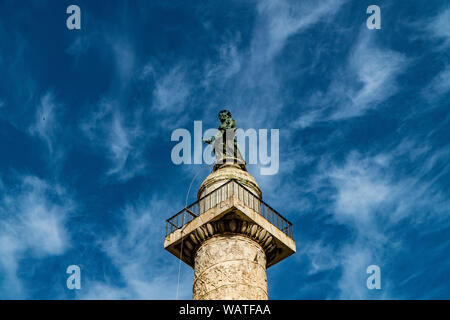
230, 266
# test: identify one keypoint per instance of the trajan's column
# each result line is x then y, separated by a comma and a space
229, 236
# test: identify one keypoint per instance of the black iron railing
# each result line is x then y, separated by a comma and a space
225, 191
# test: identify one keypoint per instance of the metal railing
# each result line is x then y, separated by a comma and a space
230, 188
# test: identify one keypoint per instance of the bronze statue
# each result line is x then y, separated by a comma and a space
224, 142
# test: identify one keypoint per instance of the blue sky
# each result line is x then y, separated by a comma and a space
86, 118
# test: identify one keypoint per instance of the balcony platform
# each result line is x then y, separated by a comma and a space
231, 208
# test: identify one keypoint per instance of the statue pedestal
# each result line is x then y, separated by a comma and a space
227, 161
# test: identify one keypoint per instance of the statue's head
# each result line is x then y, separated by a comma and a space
224, 115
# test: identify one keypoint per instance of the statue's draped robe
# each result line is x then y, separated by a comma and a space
225, 144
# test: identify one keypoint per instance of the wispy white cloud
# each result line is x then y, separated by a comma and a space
355, 259
361, 190
367, 80
367, 189
230, 64
439, 27
33, 214
322, 256
79, 46
124, 57
136, 251
114, 125
371, 199
440, 85
171, 92
248, 74
46, 123
109, 129
117, 121
285, 18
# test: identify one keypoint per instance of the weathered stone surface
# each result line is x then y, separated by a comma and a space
253, 230
221, 226
189, 245
230, 266
268, 241
194, 238
220, 177
233, 225
210, 228
262, 235
244, 226
200, 234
